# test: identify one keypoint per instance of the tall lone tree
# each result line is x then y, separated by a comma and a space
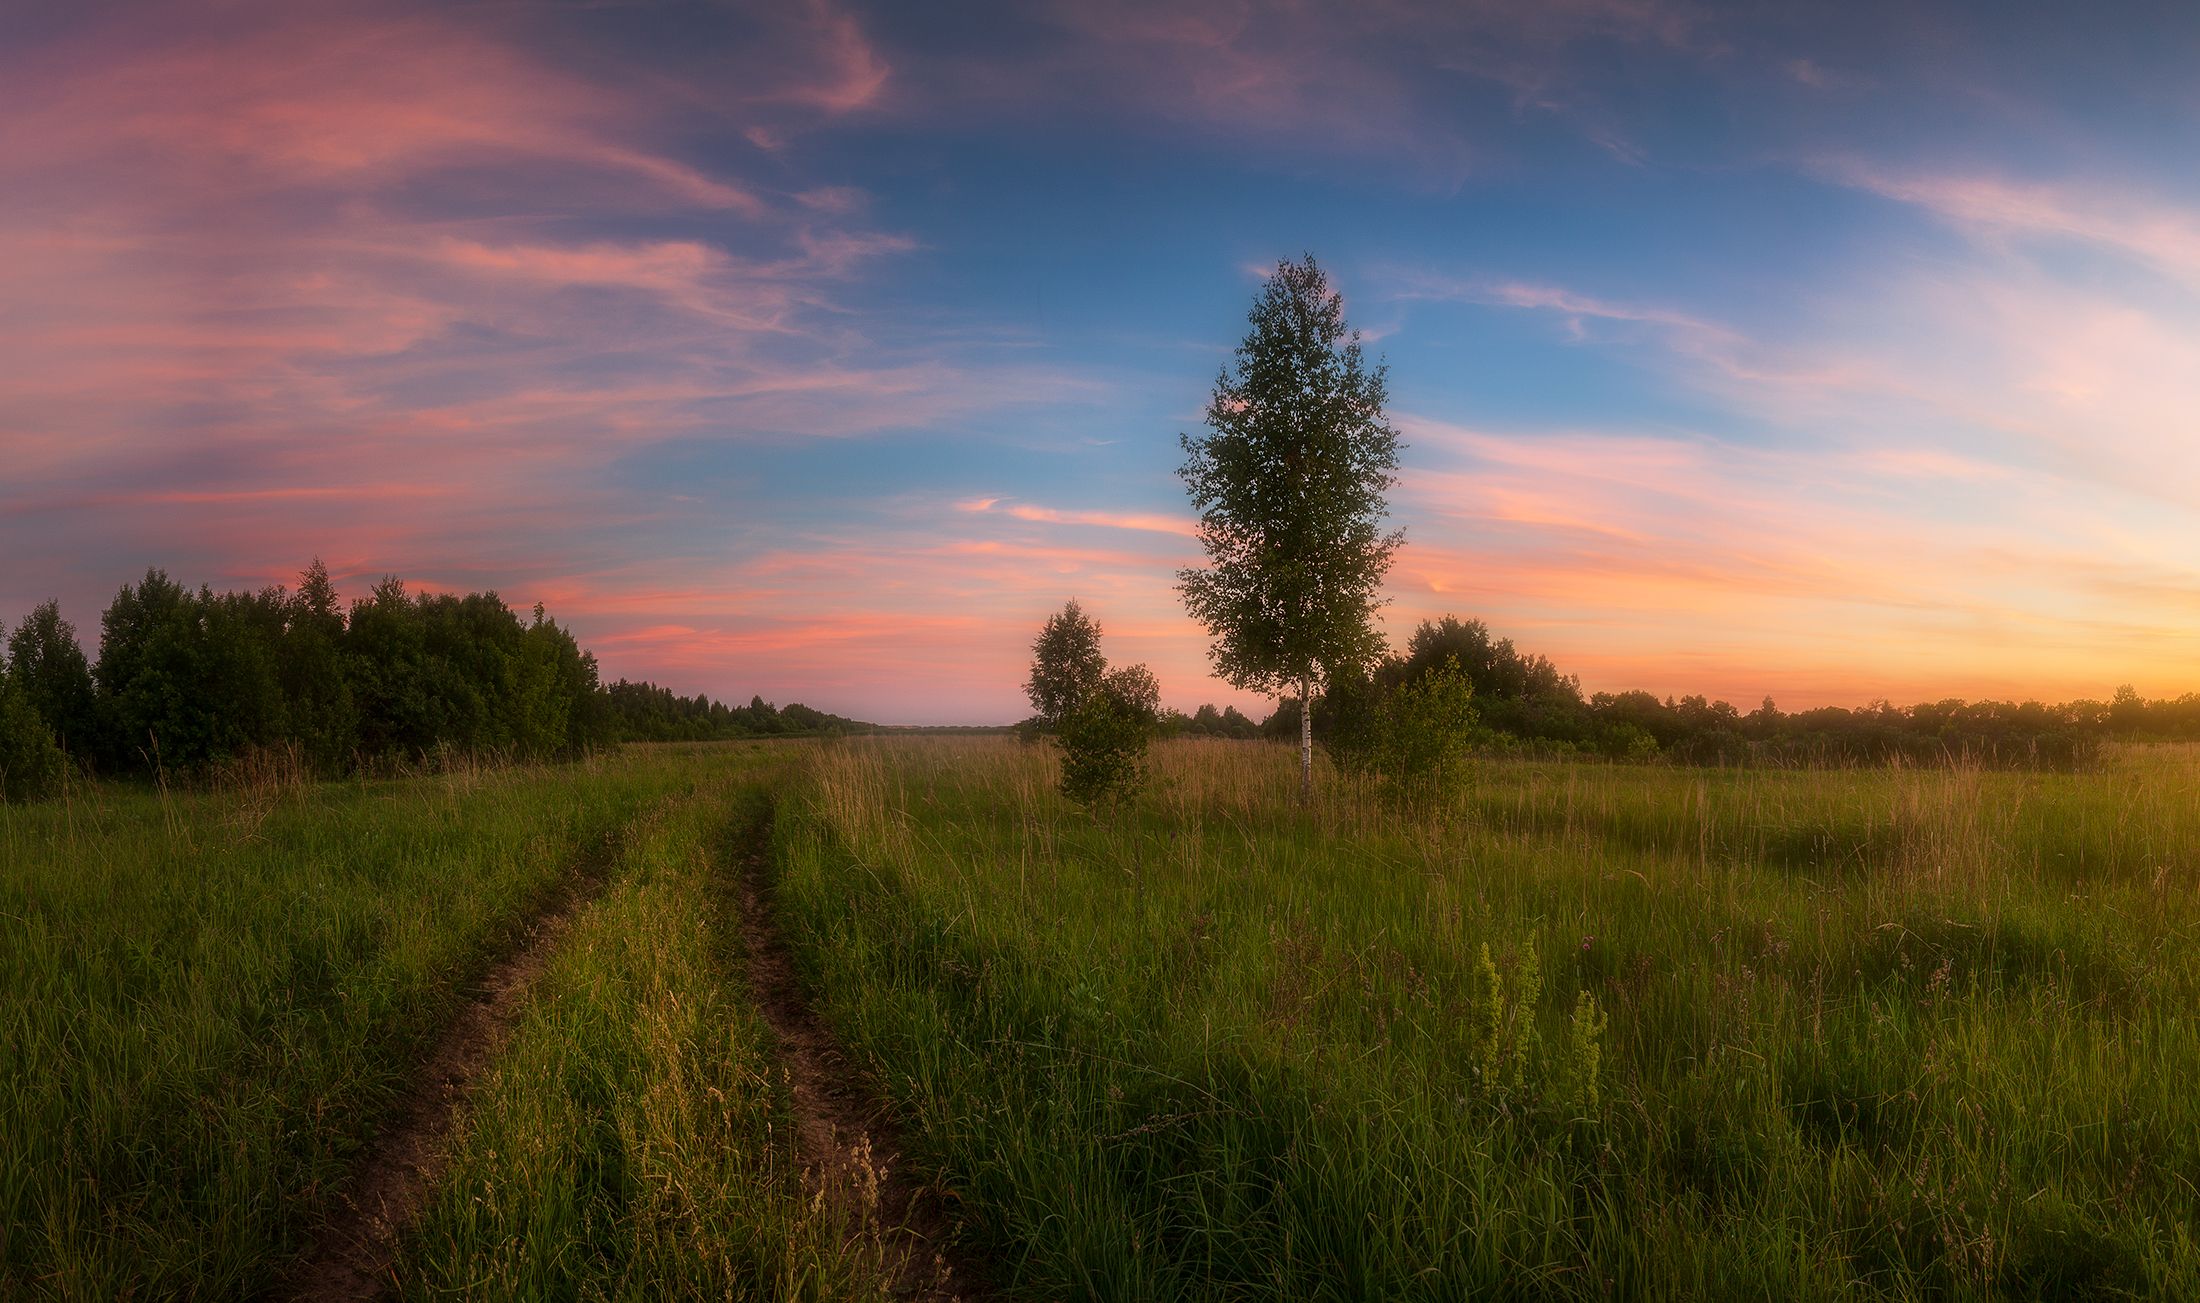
1066, 665
1290, 483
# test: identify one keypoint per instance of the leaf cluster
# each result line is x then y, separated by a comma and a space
1104, 739
1066, 665
1414, 734
188, 679
32, 765
1290, 483
1102, 719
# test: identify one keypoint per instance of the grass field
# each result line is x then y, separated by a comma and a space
631, 1142
1594, 1031
208, 1001
1585, 1032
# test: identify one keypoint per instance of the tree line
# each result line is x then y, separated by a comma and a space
187, 680
648, 713
1456, 691
1525, 704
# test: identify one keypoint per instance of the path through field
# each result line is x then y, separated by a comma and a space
352, 1256
847, 1134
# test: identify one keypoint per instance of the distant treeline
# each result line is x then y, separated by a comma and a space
1525, 703
188, 680
648, 713
1209, 722
1228, 722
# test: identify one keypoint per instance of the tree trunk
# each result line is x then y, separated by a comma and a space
1306, 742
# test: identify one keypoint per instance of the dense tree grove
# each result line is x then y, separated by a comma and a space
184, 680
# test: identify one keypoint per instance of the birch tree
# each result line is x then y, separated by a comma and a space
1290, 483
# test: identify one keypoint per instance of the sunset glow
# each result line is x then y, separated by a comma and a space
819, 351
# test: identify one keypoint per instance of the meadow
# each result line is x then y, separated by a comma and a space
1574, 1031
1585, 1031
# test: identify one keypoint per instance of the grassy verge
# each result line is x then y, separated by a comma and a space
208, 1000
633, 1140
1585, 1032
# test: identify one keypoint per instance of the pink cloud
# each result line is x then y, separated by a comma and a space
854, 73
2162, 234
1142, 521
1820, 572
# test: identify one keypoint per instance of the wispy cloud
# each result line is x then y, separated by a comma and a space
1407, 285
1131, 520
302, 281
2163, 235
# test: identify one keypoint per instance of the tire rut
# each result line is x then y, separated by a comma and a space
849, 1141
353, 1255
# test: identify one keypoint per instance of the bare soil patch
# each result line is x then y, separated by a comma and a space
353, 1254
848, 1137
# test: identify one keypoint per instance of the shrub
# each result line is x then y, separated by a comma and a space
1104, 739
1414, 736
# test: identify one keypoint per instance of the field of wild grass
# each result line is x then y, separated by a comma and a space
632, 1141
1582, 1032
209, 1000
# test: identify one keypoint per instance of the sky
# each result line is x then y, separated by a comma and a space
820, 350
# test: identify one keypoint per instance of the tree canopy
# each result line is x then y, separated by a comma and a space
189, 680
1066, 664
1290, 482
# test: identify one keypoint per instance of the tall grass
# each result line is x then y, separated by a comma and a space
1583, 1031
634, 1139
208, 1000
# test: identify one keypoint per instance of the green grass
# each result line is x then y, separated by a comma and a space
1583, 1032
208, 1001
1866, 1034
634, 1140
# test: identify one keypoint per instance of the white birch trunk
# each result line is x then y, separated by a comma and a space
1306, 742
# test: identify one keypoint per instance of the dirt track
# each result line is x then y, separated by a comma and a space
848, 1138
354, 1251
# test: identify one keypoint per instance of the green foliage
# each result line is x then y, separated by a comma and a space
1066, 665
1414, 735
190, 681
1228, 722
1585, 1029
1104, 739
144, 670
324, 718
385, 662
1290, 483
1526, 704
32, 765
50, 669
187, 679
1102, 719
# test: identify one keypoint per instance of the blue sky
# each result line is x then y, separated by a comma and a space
820, 350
